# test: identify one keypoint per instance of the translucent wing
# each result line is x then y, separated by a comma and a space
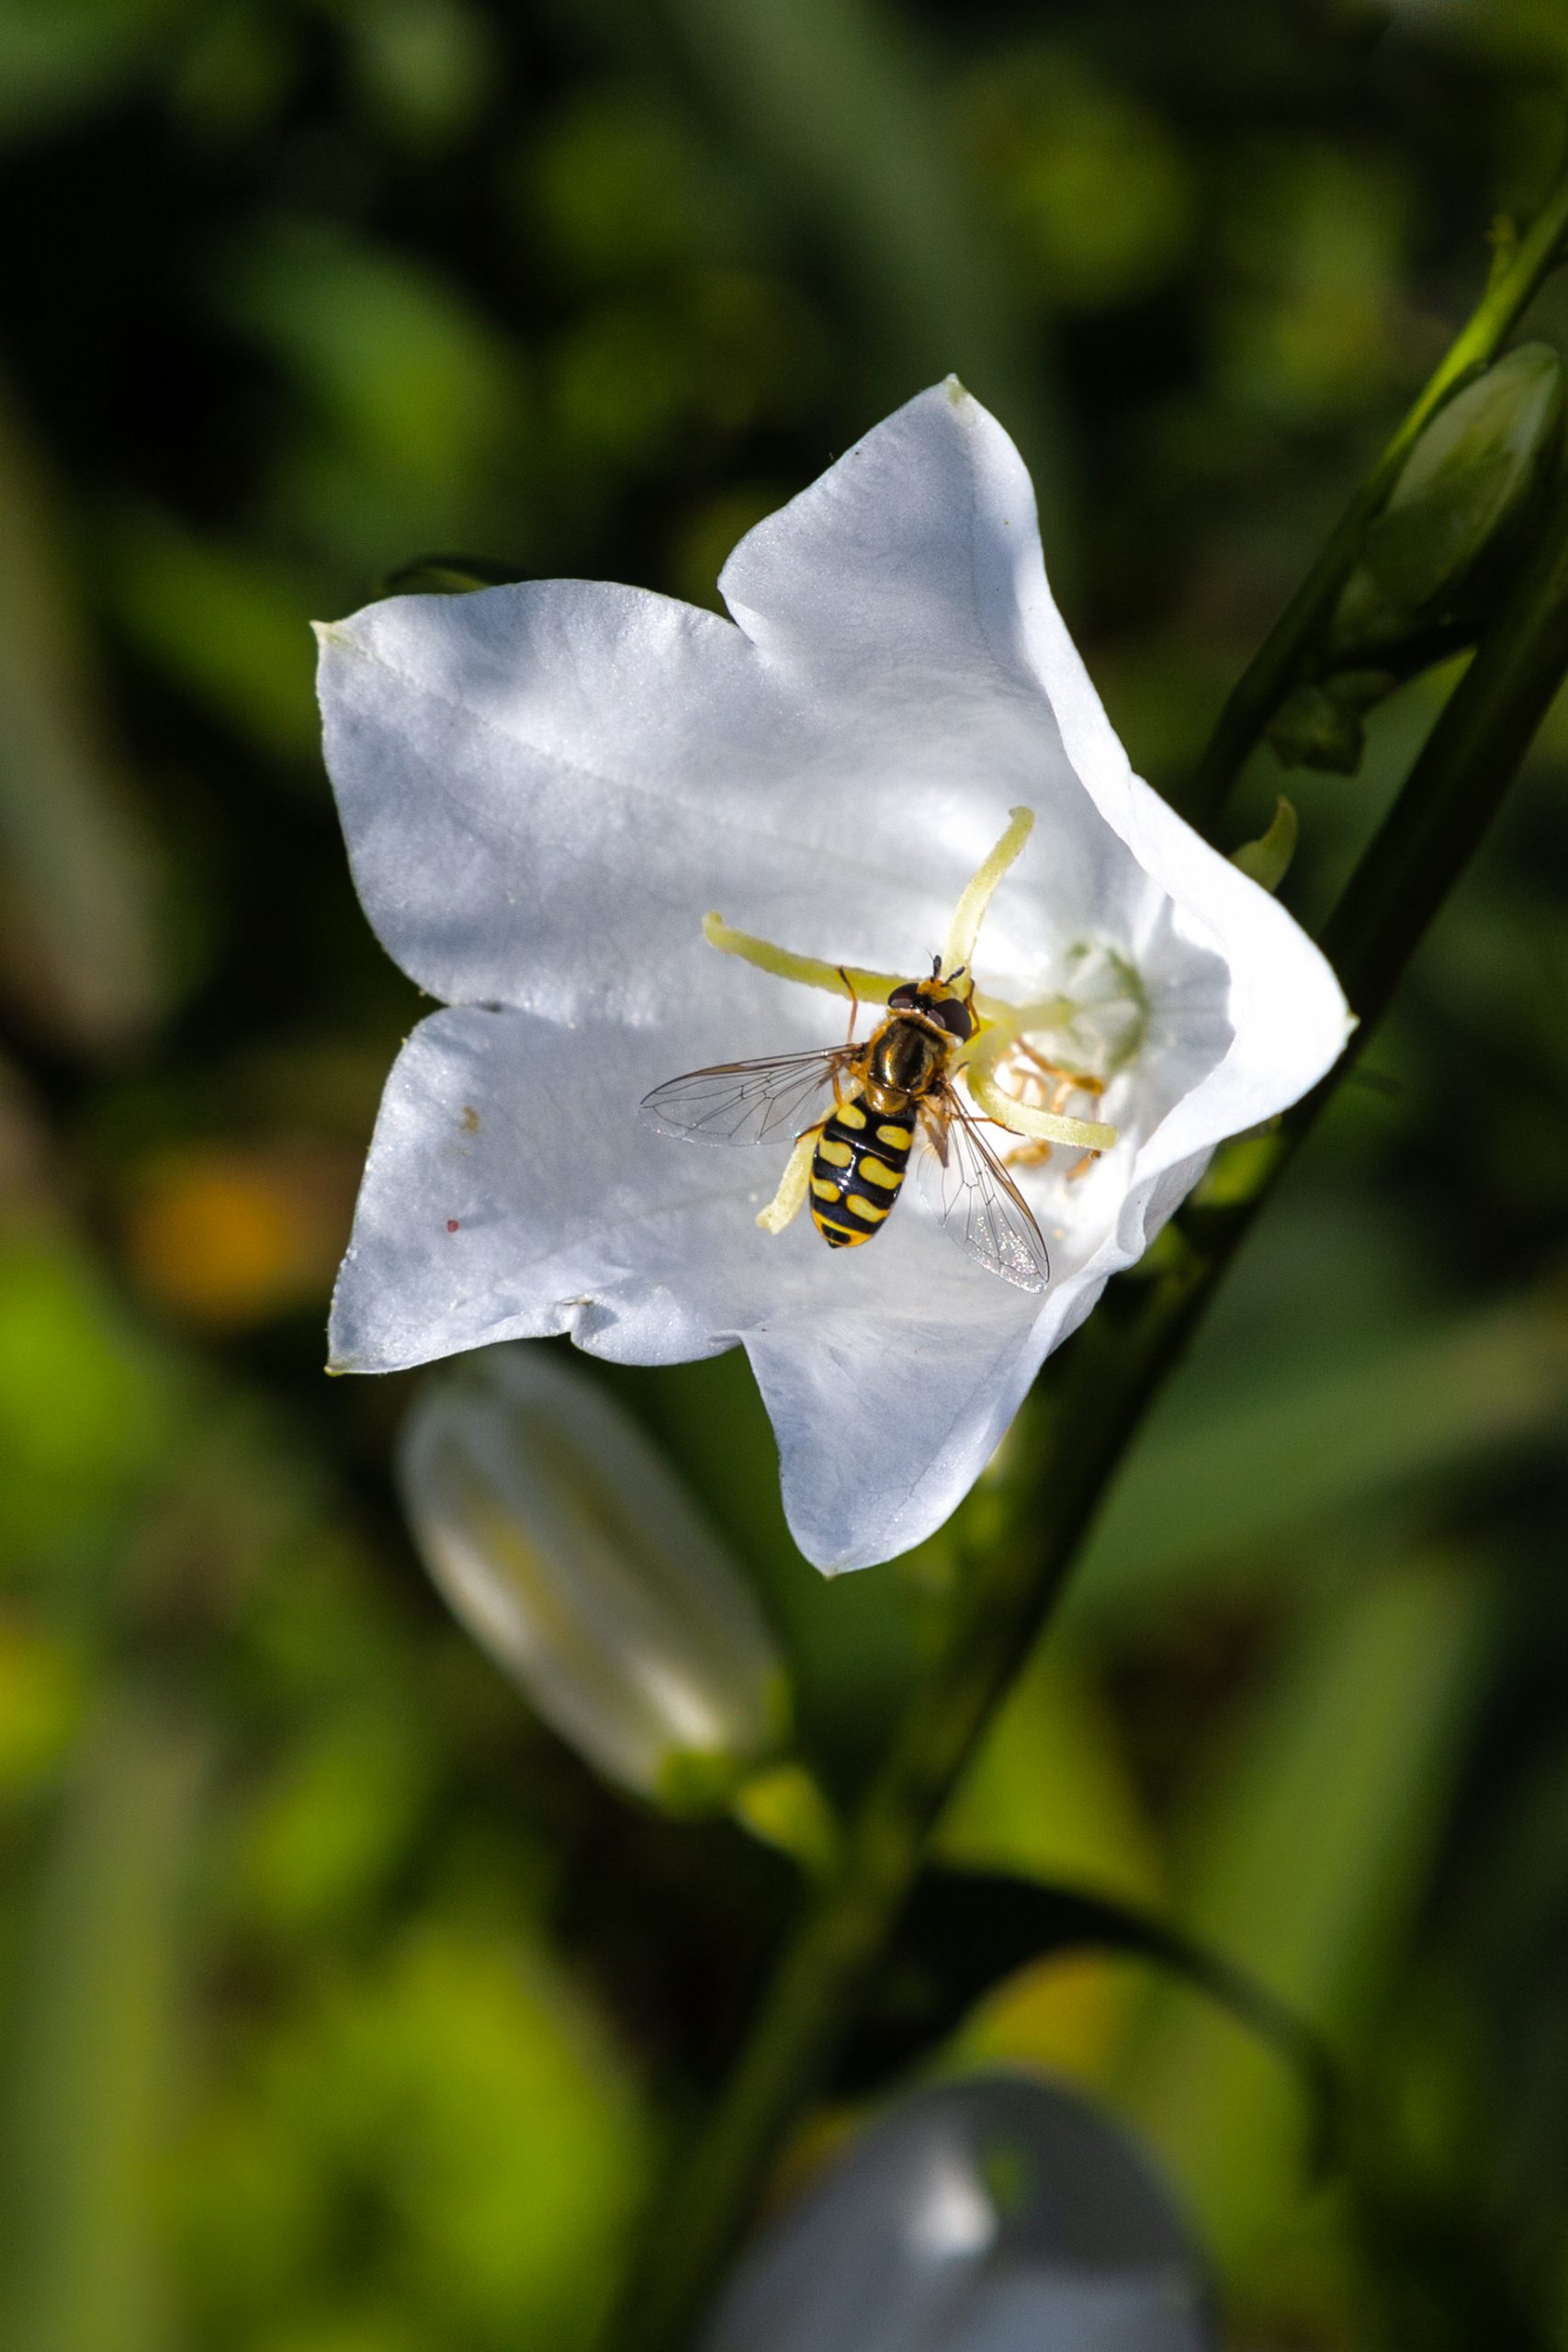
743, 1102
976, 1198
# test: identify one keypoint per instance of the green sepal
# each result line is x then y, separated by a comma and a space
1168, 1253
784, 1806
1267, 861
693, 1782
1240, 1168
1323, 725
446, 575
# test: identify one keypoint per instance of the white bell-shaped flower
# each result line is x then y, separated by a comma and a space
547, 789
999, 2215
565, 1546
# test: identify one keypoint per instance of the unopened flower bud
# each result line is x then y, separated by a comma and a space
1323, 725
974, 2217
566, 1547
1462, 487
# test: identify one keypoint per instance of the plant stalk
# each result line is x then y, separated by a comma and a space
1066, 1445
1280, 661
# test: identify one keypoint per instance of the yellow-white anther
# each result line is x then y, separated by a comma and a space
790, 1198
1040, 1126
871, 988
970, 912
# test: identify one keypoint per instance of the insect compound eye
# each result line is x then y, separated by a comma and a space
955, 1018
906, 994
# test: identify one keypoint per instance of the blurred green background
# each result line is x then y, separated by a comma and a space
341, 2009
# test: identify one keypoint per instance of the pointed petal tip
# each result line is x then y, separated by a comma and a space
832, 1563
345, 636
343, 1357
335, 640
339, 1366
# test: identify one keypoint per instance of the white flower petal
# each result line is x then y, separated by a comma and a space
560, 1538
492, 1209
1288, 1013
1287, 1010
915, 563
510, 1194
885, 1423
902, 588
906, 567
546, 787
905, 2238
531, 773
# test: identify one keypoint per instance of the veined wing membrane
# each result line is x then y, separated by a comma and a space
743, 1102
975, 1197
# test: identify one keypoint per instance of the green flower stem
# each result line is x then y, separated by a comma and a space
1454, 791
1020, 1531
1516, 273
1009, 1575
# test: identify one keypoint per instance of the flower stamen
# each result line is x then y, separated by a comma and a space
970, 912
811, 971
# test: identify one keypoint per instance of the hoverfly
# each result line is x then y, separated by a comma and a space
891, 1092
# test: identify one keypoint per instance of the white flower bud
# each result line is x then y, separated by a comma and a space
989, 2216
566, 1547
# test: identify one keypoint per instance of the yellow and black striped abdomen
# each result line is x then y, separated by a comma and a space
856, 1171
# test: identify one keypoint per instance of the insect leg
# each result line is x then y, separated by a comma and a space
854, 1003
1068, 1081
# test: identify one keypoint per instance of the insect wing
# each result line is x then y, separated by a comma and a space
975, 1197
742, 1102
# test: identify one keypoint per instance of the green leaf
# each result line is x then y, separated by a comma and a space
1305, 1864
89, 1411
88, 2047
228, 627
413, 409
79, 942
60, 59
1210, 1498
1049, 1794
450, 2109
964, 1931
834, 97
